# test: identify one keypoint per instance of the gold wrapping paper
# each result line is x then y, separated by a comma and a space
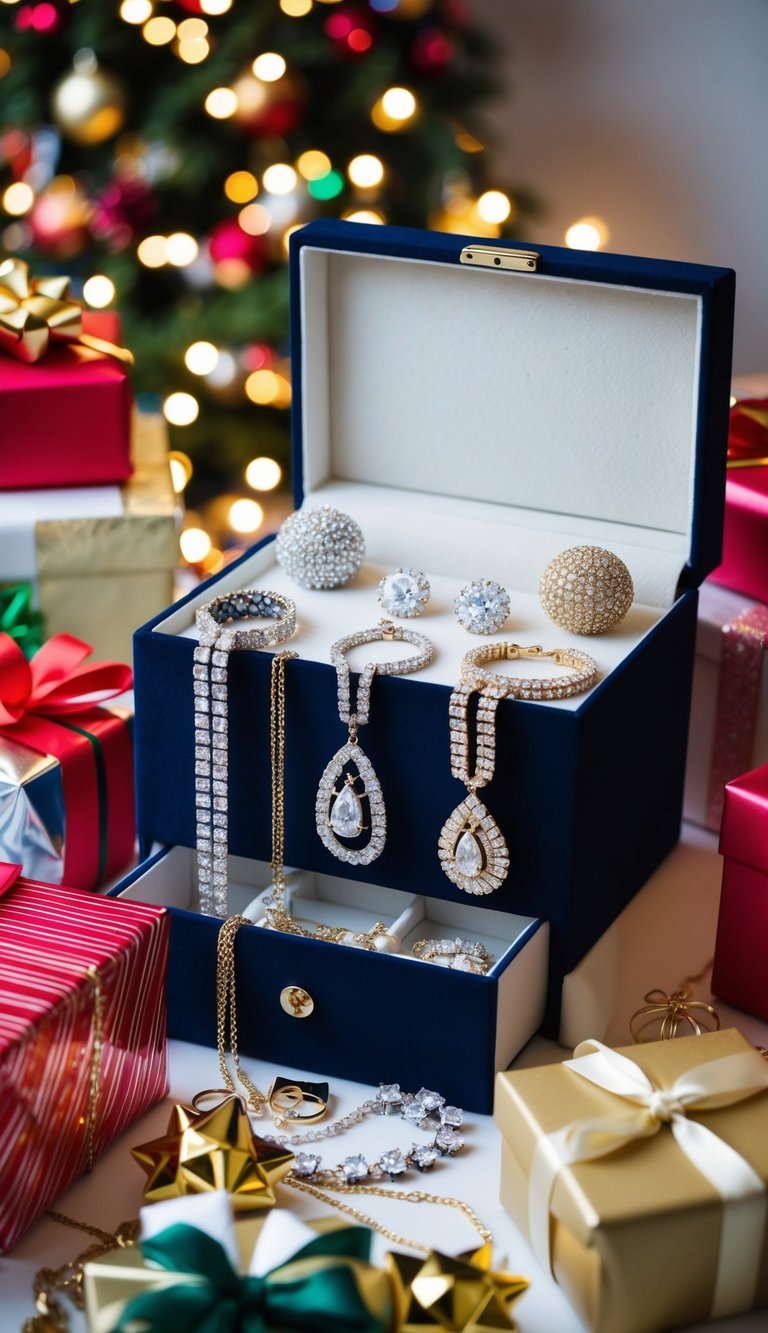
100, 578
634, 1236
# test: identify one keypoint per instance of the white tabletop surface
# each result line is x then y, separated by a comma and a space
666, 933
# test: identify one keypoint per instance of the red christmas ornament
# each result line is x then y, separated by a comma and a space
45, 17
191, 6
432, 51
121, 211
273, 109
59, 219
351, 30
228, 242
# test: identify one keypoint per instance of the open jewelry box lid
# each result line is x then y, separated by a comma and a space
455, 409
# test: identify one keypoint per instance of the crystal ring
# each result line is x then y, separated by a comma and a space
404, 593
459, 954
242, 605
320, 548
482, 607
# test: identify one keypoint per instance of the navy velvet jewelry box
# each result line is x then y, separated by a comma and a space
475, 422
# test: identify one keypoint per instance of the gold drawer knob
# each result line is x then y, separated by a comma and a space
296, 1001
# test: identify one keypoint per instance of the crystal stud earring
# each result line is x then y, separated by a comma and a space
482, 607
403, 594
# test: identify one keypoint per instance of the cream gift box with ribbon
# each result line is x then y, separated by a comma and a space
639, 1176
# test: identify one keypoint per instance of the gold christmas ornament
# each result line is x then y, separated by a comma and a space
586, 590
213, 1150
462, 1294
88, 104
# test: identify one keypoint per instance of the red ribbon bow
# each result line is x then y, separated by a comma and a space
37, 700
748, 433
55, 682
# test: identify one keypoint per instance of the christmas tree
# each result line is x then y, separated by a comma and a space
162, 152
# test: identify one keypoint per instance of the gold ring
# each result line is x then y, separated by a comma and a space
583, 666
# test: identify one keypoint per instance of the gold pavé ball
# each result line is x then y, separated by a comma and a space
586, 589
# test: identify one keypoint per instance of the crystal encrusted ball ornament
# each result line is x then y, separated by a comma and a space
404, 593
482, 606
586, 590
320, 548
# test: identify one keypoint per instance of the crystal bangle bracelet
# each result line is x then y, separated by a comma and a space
211, 657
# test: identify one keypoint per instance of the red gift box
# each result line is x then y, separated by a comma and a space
66, 420
82, 1035
740, 975
47, 706
744, 566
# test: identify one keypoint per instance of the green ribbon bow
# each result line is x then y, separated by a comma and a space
18, 619
328, 1285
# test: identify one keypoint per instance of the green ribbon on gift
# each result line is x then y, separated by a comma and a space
18, 619
327, 1285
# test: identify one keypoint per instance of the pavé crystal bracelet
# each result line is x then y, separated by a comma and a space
217, 639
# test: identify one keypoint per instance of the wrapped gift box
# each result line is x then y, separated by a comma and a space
102, 558
487, 1018
475, 423
82, 1035
729, 703
639, 1238
66, 419
739, 974
744, 565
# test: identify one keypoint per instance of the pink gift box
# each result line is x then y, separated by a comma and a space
740, 974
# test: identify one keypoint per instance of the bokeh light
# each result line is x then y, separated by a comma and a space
269, 67
363, 215
136, 11
313, 164
152, 252
327, 187
159, 31
255, 219
181, 469
195, 545
181, 249
99, 291
245, 515
221, 103
201, 357
262, 387
296, 9
588, 233
494, 206
263, 474
181, 409
214, 7
18, 199
241, 186
366, 170
280, 178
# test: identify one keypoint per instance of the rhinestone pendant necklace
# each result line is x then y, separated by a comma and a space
339, 814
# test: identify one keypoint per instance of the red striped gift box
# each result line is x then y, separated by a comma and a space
82, 1035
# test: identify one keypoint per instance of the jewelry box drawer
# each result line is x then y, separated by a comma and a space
349, 1011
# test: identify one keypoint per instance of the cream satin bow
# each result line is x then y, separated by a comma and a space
708, 1087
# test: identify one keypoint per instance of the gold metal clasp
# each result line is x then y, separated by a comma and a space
388, 630
491, 256
516, 650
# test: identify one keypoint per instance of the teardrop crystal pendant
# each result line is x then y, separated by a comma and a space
472, 849
339, 810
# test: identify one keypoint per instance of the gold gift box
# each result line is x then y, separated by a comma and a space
634, 1236
100, 578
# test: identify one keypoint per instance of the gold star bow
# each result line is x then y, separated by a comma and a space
213, 1150
461, 1294
34, 312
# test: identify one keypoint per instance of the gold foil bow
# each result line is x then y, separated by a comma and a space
460, 1294
213, 1150
34, 312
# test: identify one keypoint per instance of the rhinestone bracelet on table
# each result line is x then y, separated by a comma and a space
424, 1109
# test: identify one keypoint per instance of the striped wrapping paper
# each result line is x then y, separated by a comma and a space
51, 1121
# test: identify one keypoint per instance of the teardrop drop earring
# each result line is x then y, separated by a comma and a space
339, 812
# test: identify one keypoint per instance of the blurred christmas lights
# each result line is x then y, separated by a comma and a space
18, 199
195, 545
201, 357
159, 31
246, 515
494, 207
99, 291
181, 469
313, 164
136, 11
241, 187
181, 409
587, 234
366, 170
221, 103
279, 178
263, 474
269, 67
296, 9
